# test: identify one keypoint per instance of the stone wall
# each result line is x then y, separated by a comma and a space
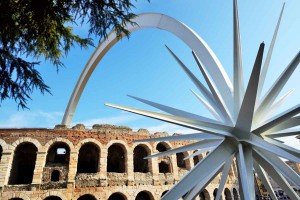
71, 185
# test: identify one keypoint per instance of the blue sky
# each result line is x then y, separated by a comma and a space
142, 66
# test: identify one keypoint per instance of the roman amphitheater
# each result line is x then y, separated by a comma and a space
100, 163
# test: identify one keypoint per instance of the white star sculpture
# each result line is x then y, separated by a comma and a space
244, 127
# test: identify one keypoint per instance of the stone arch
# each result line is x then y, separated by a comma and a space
59, 139
56, 194
23, 163
117, 196
227, 194
117, 157
166, 144
87, 197
36, 143
3, 147
53, 198
140, 164
146, 145
18, 196
121, 142
144, 195
89, 140
204, 195
58, 153
88, 158
160, 21
3, 144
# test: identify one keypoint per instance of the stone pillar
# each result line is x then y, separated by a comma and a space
103, 168
155, 170
38, 169
130, 170
72, 168
173, 160
5, 166
191, 160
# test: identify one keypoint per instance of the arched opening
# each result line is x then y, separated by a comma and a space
58, 154
161, 147
88, 159
87, 197
215, 193
116, 159
181, 163
197, 158
116, 196
143, 196
1, 151
235, 194
53, 198
23, 164
204, 195
55, 176
164, 167
165, 192
227, 194
164, 164
16, 199
139, 163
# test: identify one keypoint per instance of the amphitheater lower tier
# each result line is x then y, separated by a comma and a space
101, 163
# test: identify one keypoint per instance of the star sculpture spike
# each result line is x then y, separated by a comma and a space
246, 131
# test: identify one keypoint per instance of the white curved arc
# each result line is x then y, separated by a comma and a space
160, 21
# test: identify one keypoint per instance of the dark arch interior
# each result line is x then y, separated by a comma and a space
116, 196
227, 194
23, 164
88, 158
204, 195
196, 160
116, 159
235, 194
58, 154
161, 147
140, 164
55, 175
215, 193
16, 199
164, 193
143, 196
1, 151
180, 160
164, 167
87, 197
52, 198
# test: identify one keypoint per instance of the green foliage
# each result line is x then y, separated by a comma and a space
41, 29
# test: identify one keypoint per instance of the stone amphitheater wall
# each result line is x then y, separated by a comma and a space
56, 176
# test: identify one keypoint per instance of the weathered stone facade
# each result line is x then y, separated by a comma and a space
101, 163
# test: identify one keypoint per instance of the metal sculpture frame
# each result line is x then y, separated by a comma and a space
244, 127
142, 21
